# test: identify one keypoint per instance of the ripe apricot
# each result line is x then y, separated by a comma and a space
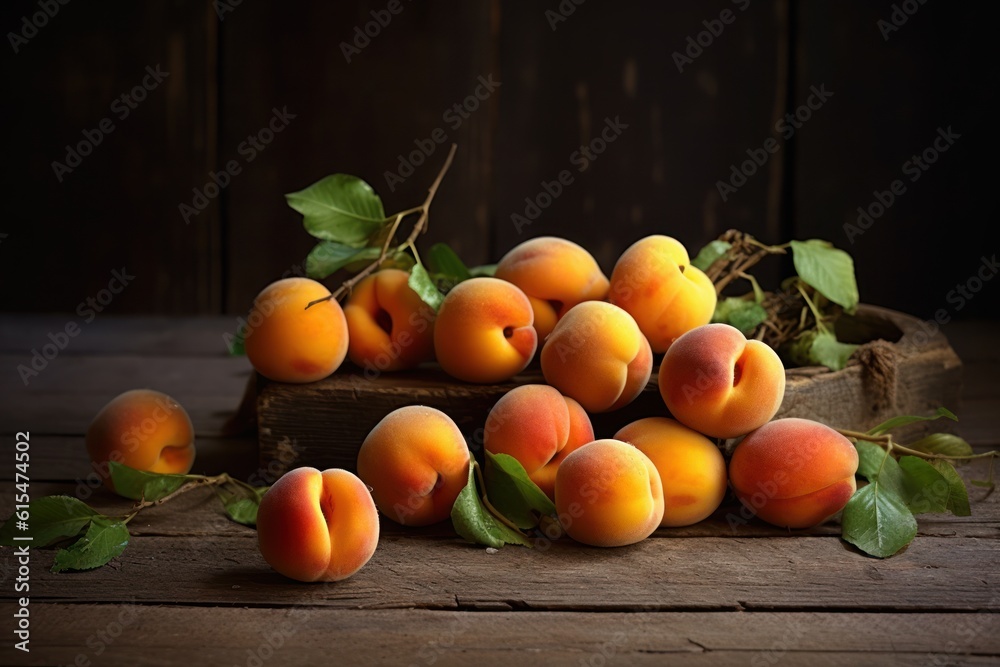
484, 332
287, 342
555, 274
317, 526
794, 473
608, 494
692, 469
143, 429
655, 282
597, 355
717, 382
390, 327
539, 427
416, 461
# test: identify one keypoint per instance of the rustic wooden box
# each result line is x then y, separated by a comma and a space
322, 424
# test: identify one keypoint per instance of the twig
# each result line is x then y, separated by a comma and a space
885, 440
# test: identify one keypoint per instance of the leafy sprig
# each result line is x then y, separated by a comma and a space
89, 539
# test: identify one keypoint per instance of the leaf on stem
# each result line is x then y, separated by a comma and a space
958, 495
241, 504
743, 314
877, 521
443, 261
946, 444
476, 524
421, 283
50, 519
927, 491
483, 271
328, 257
829, 270
711, 252
143, 485
827, 351
341, 208
513, 493
903, 420
104, 539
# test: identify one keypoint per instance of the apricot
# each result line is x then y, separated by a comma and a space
608, 494
416, 462
483, 332
143, 429
597, 355
655, 282
794, 473
317, 526
692, 469
717, 382
539, 427
555, 274
286, 342
390, 327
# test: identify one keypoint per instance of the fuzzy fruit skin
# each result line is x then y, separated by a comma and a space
385, 298
692, 469
286, 342
143, 429
597, 355
655, 282
714, 380
794, 473
417, 462
484, 331
539, 427
555, 274
317, 526
608, 494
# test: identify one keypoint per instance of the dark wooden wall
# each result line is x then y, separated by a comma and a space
119, 208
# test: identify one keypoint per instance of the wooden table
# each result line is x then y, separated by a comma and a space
192, 588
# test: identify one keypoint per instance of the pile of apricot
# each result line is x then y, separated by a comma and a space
594, 338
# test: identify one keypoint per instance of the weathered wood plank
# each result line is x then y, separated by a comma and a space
324, 423
304, 636
806, 573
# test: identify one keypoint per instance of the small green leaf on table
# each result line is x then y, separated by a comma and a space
512, 492
50, 519
241, 504
341, 208
829, 270
877, 521
143, 485
105, 538
476, 524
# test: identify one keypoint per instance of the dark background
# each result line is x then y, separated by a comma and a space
119, 208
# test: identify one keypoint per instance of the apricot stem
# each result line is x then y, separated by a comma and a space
885, 440
199, 481
419, 228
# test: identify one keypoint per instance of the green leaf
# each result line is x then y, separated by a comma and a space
328, 257
829, 270
483, 271
236, 343
927, 491
442, 260
903, 420
740, 313
241, 504
870, 457
143, 485
711, 252
877, 521
946, 444
104, 539
475, 523
421, 283
827, 351
512, 492
340, 208
50, 519
958, 495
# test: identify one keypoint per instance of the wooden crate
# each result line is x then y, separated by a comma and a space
322, 424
